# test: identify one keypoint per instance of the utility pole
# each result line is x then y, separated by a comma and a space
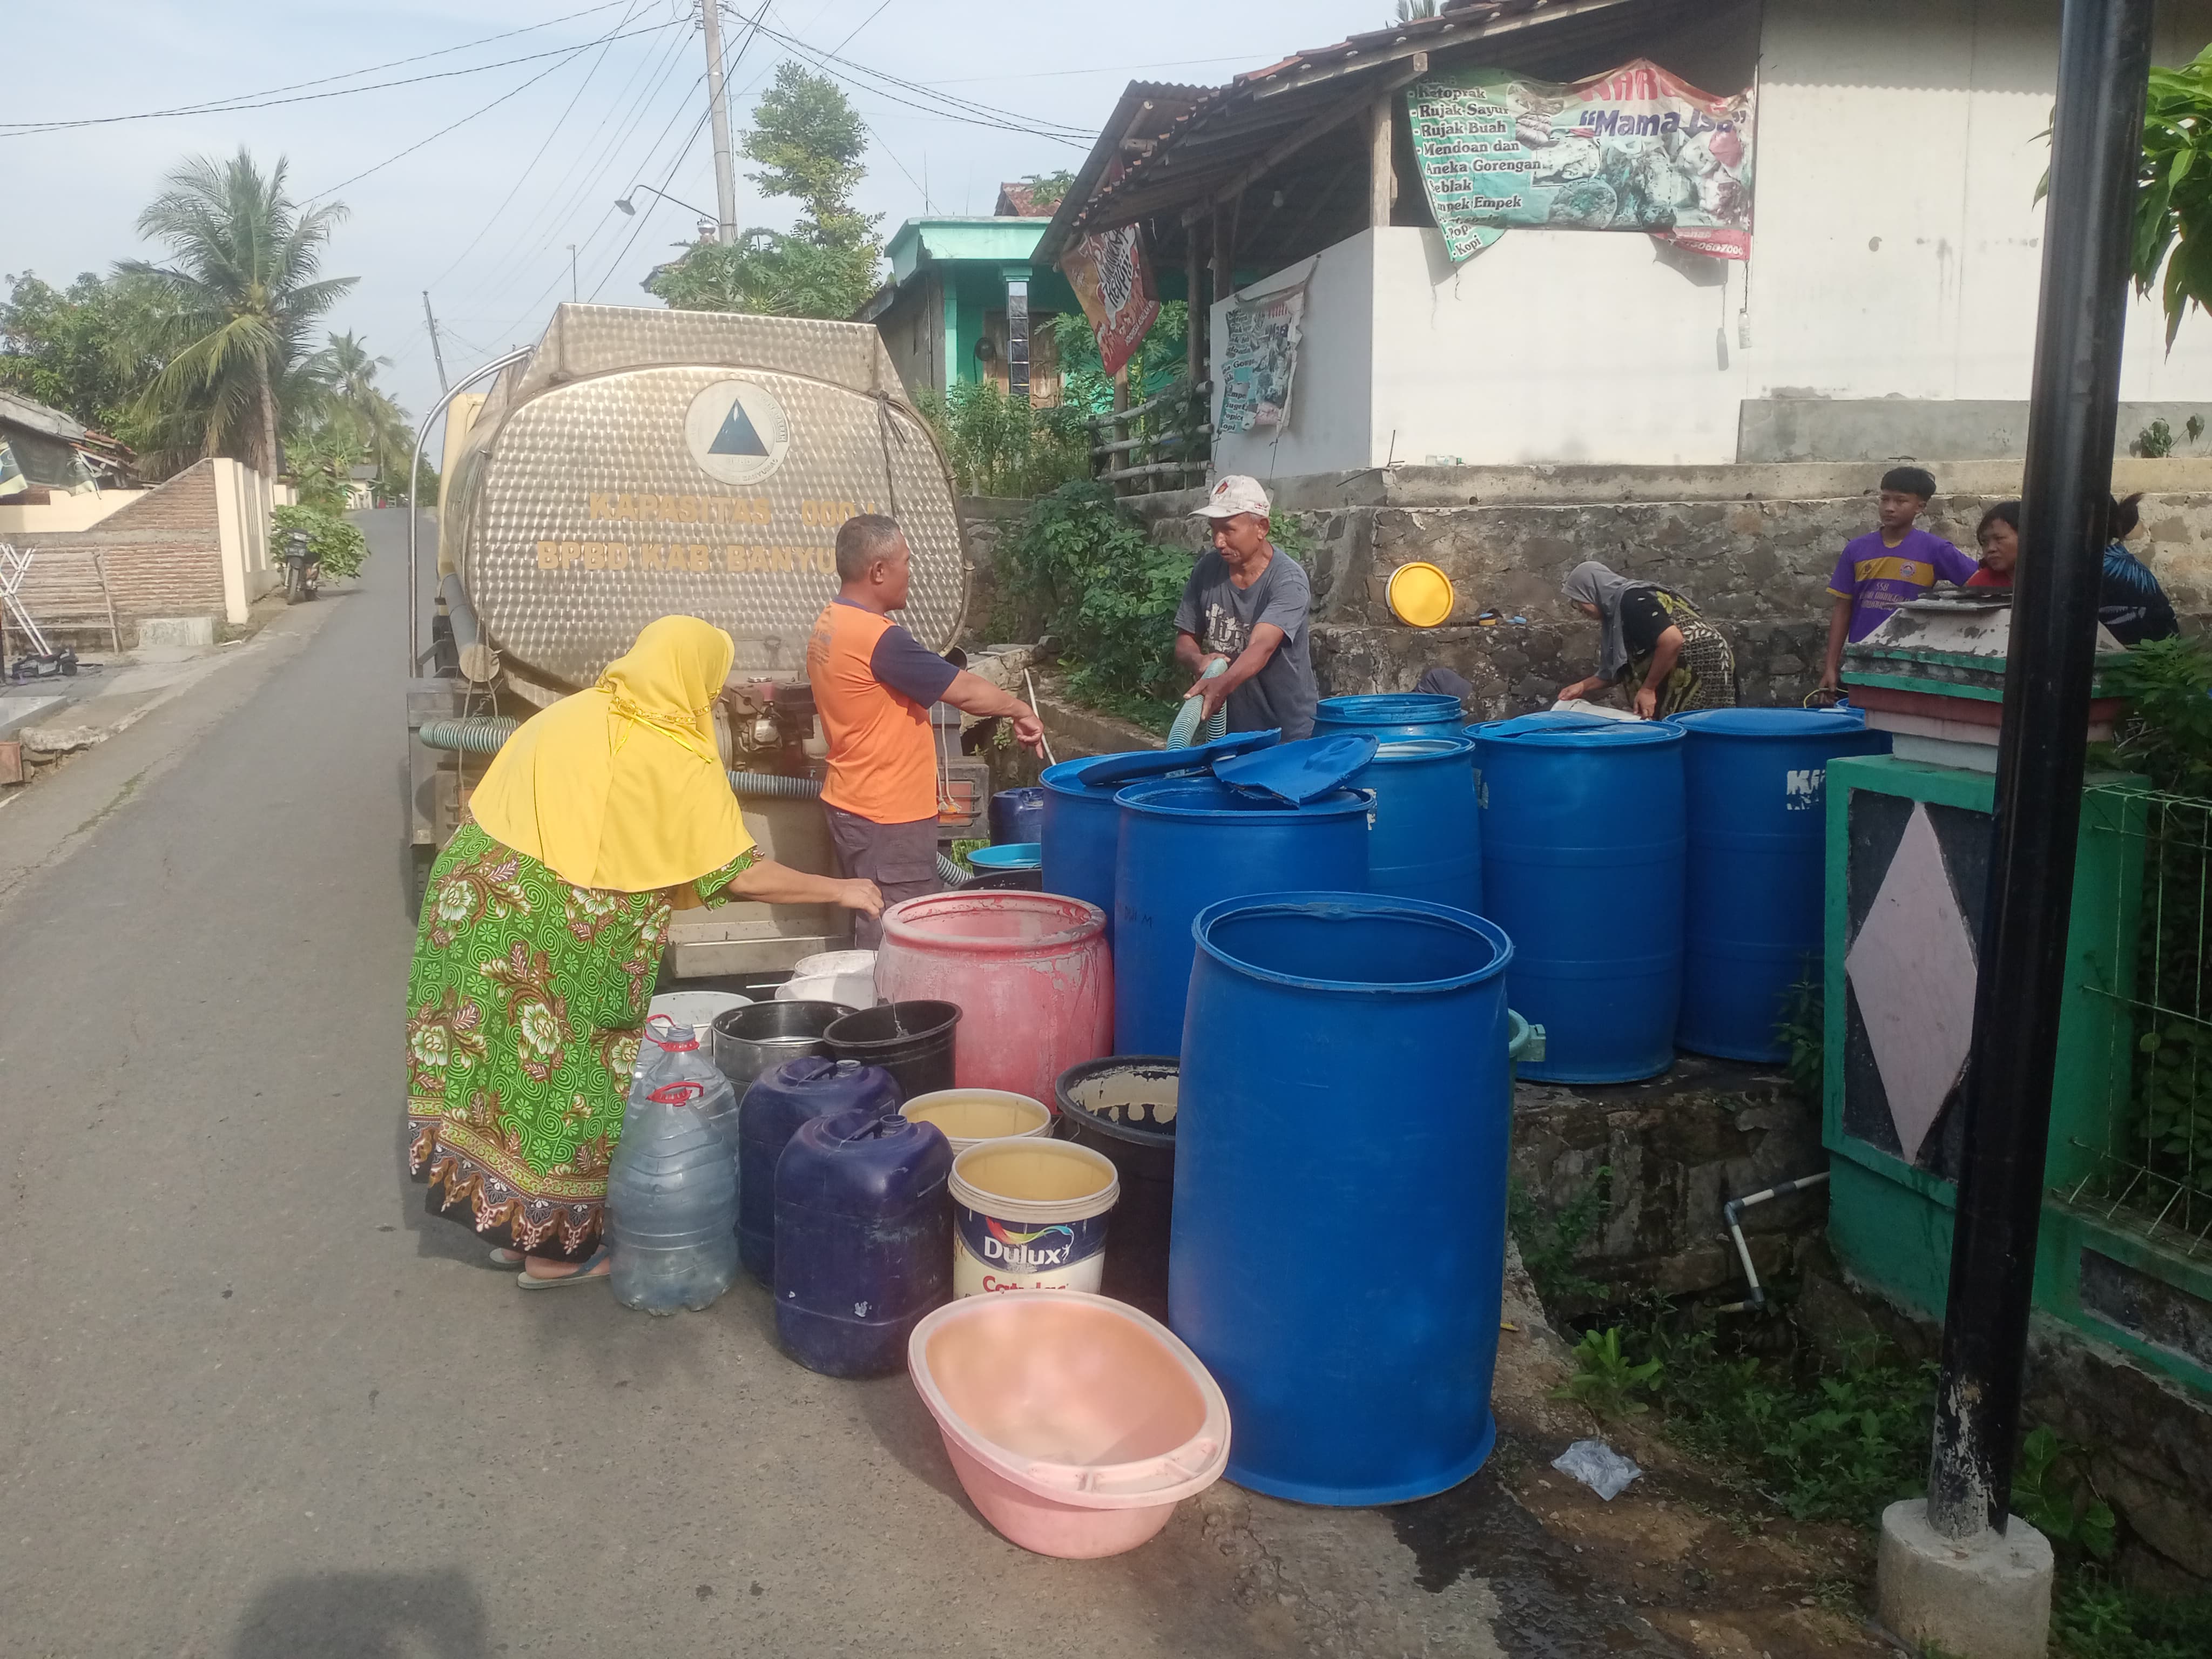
437, 352
573, 293
1954, 1572
718, 118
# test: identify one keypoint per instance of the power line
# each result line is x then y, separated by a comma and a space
573, 54
523, 178
217, 104
500, 277
21, 129
990, 114
862, 24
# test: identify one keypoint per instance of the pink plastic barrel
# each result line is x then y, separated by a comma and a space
1031, 973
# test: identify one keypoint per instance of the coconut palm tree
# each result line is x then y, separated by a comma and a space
237, 300
345, 375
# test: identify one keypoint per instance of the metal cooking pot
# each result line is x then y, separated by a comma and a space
751, 1040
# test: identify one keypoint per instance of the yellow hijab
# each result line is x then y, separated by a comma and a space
620, 786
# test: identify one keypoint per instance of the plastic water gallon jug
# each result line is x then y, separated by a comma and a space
774, 1108
863, 1240
671, 1201
672, 1053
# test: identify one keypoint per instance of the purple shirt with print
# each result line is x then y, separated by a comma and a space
1877, 578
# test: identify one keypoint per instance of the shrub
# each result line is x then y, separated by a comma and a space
1000, 446
1108, 593
339, 545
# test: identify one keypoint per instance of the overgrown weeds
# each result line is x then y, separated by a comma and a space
1001, 445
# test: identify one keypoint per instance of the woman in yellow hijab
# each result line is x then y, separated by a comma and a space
541, 936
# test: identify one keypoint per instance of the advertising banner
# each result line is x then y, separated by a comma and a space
1259, 357
1632, 150
1113, 281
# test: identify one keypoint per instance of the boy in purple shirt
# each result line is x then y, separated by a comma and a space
1883, 570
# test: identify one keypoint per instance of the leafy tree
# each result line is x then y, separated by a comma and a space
809, 141
345, 397
232, 310
78, 349
1048, 190
1158, 365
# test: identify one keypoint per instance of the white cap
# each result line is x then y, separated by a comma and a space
1232, 494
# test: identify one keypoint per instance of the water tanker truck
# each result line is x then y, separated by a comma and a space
638, 462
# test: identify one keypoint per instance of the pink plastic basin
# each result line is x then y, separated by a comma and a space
1076, 1423
1029, 972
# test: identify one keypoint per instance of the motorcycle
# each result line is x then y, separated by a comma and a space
303, 568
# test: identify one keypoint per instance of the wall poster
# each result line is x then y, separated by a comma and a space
1259, 357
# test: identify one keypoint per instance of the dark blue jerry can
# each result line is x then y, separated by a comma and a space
779, 1100
863, 1240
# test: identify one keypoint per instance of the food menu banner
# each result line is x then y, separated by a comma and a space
1632, 150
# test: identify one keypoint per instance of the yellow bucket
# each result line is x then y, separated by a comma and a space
968, 1115
1420, 595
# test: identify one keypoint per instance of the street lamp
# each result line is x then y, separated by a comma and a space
629, 207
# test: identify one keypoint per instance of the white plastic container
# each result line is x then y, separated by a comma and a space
966, 1116
1030, 1214
697, 1009
846, 976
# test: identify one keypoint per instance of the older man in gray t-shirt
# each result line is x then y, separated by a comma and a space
1245, 604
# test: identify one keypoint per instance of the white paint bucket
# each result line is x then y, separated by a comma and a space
966, 1116
697, 1009
1030, 1214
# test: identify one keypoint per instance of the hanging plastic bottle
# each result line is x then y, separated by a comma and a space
672, 1188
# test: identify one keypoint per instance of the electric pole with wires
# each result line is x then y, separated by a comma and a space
718, 118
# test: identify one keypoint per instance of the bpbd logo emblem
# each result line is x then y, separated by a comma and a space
737, 431
1052, 1248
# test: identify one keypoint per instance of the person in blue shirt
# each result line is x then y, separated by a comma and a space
2131, 604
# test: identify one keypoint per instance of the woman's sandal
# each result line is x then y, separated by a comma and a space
589, 1269
503, 1257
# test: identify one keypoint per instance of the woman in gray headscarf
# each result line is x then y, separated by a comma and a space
1672, 658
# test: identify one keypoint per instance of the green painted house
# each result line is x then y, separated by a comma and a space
964, 305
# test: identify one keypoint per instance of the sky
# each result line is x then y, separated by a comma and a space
482, 215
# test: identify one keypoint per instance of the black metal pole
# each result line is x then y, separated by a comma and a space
2104, 63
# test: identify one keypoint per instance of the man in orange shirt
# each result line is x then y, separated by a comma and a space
873, 685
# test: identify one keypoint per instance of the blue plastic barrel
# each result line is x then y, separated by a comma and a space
863, 1240
1017, 815
1390, 714
1426, 841
1583, 856
1339, 1240
1189, 842
1756, 886
1080, 827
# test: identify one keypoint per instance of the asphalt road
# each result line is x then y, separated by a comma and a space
254, 1401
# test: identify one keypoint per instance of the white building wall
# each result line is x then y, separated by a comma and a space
1896, 253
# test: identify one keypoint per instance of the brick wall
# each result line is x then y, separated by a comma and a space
163, 556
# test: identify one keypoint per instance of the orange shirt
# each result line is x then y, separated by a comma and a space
882, 761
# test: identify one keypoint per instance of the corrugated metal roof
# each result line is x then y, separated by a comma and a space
1180, 150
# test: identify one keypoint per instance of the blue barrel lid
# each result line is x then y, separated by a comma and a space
1064, 778
1209, 798
1599, 734
1785, 723
1162, 762
1302, 771
1391, 708
1400, 750
1551, 718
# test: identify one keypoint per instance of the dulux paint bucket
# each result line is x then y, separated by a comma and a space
966, 1117
1030, 1214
